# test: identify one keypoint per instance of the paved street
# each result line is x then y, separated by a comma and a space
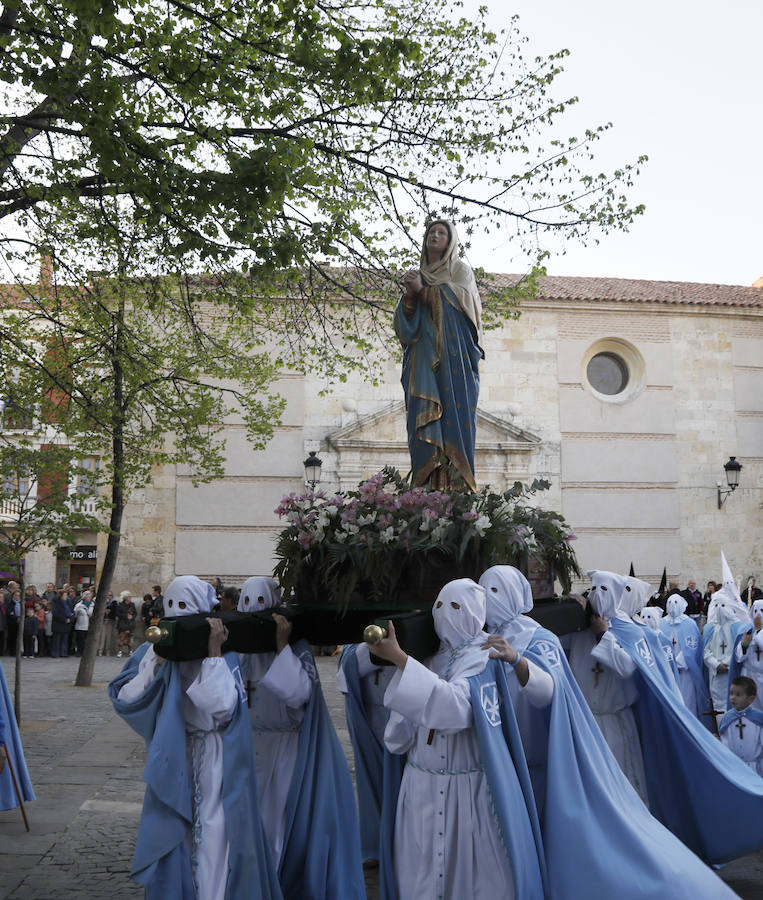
86, 766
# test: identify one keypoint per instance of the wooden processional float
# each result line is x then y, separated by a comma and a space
186, 637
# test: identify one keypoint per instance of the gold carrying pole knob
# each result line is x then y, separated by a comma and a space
372, 634
155, 634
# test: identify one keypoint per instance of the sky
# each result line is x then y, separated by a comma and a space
682, 82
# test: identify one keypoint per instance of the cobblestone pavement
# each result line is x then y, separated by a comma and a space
86, 767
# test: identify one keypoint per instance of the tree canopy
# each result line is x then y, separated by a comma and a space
290, 133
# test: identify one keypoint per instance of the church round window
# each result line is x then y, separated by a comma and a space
607, 373
613, 370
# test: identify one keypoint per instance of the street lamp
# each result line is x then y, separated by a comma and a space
312, 469
732, 468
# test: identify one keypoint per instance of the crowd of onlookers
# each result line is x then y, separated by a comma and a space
698, 601
56, 621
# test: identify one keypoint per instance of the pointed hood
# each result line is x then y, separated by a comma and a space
187, 595
259, 593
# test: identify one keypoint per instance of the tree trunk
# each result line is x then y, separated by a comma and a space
19, 647
87, 663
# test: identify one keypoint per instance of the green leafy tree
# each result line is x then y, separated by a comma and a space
141, 365
36, 507
302, 141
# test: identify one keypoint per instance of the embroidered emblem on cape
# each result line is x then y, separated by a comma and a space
490, 703
308, 665
550, 652
642, 648
692, 642
668, 651
239, 681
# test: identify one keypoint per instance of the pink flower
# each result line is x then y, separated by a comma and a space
306, 540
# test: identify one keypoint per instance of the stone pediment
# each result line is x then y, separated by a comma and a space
370, 442
386, 426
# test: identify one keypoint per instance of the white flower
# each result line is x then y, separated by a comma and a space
341, 536
481, 525
367, 520
351, 529
387, 535
331, 510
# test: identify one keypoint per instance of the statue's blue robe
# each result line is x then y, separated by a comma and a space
693, 781
689, 640
599, 838
9, 735
321, 855
510, 789
441, 390
368, 754
161, 862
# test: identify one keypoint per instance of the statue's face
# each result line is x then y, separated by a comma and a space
437, 240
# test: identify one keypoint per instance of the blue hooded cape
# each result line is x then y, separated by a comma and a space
321, 854
510, 789
693, 781
732, 716
368, 754
599, 838
9, 735
161, 862
689, 640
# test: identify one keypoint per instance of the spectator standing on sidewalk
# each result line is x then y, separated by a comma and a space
106, 637
126, 614
62, 625
82, 612
158, 607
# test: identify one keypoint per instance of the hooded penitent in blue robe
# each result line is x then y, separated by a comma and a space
684, 631
9, 735
321, 854
755, 649
458, 617
599, 839
162, 863
693, 781
368, 753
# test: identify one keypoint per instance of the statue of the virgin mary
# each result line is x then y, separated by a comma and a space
438, 321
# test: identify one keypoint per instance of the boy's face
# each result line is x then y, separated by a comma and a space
739, 698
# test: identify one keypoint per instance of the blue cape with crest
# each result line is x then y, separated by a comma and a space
441, 382
510, 789
321, 853
693, 781
599, 838
689, 640
368, 754
161, 862
9, 735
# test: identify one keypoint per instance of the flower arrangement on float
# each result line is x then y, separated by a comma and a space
393, 544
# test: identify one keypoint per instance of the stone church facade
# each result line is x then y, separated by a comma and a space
628, 396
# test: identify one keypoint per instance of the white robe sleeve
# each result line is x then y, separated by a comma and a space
399, 734
711, 661
147, 669
365, 666
288, 680
429, 701
611, 654
214, 691
539, 689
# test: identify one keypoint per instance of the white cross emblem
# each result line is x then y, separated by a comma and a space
668, 653
692, 642
550, 652
490, 703
642, 648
